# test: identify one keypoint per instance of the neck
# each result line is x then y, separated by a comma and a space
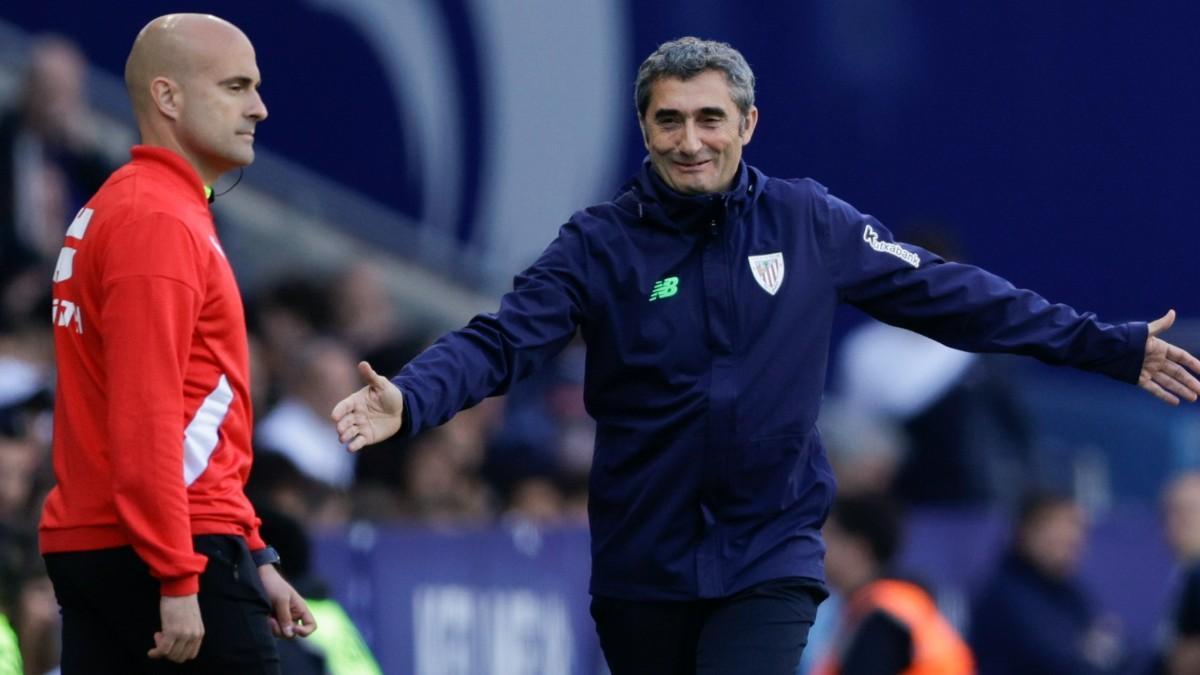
159, 138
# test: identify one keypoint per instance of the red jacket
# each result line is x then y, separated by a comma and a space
152, 418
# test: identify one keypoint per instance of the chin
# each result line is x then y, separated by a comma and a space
241, 158
691, 187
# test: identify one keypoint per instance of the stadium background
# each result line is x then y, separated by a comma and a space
446, 141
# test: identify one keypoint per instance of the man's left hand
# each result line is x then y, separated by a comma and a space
1165, 370
290, 615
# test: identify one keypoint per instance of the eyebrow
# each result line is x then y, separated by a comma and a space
711, 111
238, 79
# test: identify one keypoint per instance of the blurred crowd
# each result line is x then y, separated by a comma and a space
911, 424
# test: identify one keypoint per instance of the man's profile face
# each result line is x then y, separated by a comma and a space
222, 106
694, 132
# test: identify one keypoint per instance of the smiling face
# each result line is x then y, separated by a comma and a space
695, 133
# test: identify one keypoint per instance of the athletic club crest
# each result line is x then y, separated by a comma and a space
768, 271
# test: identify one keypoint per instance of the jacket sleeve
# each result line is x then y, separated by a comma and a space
963, 306
152, 298
535, 321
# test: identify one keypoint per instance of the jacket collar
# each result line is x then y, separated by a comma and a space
656, 202
173, 167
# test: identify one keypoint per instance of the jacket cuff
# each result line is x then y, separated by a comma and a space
407, 417
189, 585
1129, 368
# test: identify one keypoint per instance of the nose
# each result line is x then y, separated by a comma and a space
690, 143
258, 109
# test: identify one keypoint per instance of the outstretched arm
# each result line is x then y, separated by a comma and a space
1167, 370
370, 414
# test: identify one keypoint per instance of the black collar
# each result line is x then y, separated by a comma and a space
657, 202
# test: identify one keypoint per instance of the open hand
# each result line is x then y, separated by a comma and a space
1165, 369
370, 414
290, 615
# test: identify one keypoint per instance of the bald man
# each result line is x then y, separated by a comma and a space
151, 543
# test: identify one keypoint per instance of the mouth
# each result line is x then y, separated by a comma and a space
692, 167
246, 134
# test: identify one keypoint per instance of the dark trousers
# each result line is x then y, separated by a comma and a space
759, 631
110, 609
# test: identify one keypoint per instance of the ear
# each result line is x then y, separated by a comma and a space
166, 96
749, 122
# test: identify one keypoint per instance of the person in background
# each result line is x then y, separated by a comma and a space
1181, 512
10, 651
338, 648
888, 626
1032, 616
50, 156
153, 549
317, 371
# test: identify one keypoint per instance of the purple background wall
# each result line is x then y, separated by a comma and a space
1060, 141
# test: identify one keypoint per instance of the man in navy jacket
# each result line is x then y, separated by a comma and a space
705, 292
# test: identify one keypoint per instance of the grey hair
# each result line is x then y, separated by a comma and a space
686, 58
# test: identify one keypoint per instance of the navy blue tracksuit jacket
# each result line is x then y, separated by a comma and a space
707, 321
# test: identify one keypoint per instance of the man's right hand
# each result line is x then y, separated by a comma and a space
182, 629
370, 414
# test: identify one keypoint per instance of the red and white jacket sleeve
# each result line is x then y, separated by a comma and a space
153, 289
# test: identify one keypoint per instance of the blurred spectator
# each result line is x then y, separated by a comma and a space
364, 313
28, 609
887, 625
439, 489
10, 565
368, 320
546, 430
536, 499
50, 157
27, 603
865, 450
260, 375
19, 462
969, 439
286, 317
10, 651
26, 370
341, 649
1181, 510
298, 427
433, 478
277, 484
36, 619
1033, 617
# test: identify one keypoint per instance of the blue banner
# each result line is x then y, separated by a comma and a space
513, 600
